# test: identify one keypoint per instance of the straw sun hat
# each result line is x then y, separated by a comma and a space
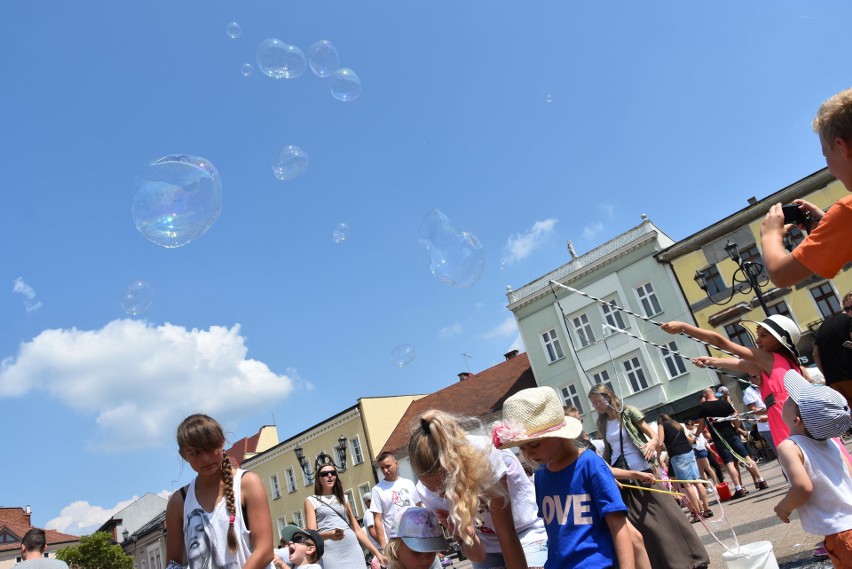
532, 414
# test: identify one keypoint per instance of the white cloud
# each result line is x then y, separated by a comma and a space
82, 518
140, 381
503, 330
520, 245
609, 209
452, 330
592, 230
22, 288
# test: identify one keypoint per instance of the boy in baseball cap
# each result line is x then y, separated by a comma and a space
820, 476
306, 549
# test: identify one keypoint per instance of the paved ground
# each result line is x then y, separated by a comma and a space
752, 519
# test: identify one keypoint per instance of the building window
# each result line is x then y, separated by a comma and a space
648, 299
602, 378
714, 281
350, 497
635, 374
779, 308
357, 455
752, 254
612, 315
307, 480
570, 397
282, 522
297, 518
738, 334
674, 363
364, 489
552, 346
274, 486
583, 329
291, 479
792, 238
825, 299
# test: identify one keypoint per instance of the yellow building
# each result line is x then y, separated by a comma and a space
727, 301
365, 426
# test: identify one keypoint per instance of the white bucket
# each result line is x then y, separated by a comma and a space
757, 555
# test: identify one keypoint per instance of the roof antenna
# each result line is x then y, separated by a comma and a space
466, 357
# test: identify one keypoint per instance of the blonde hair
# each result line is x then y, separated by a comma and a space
204, 433
439, 446
392, 553
834, 118
613, 401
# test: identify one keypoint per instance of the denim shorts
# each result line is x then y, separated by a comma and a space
700, 453
684, 466
735, 443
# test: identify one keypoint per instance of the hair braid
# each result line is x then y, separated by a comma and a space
228, 478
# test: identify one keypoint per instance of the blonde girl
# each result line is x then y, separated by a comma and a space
483, 495
209, 519
418, 540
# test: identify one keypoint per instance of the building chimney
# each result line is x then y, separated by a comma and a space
27, 510
571, 250
752, 200
510, 355
464, 375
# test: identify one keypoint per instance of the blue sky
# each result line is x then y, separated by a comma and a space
680, 110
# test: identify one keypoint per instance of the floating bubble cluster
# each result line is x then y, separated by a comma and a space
233, 30
137, 298
341, 232
549, 98
280, 60
402, 355
455, 257
289, 162
246, 69
345, 85
176, 199
323, 58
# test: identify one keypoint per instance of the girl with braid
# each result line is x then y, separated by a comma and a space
481, 494
209, 519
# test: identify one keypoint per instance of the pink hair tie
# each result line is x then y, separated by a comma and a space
231, 519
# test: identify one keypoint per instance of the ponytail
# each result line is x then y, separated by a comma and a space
228, 478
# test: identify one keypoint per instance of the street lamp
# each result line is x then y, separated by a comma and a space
125, 534
746, 278
323, 459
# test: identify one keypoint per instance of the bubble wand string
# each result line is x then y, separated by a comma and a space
645, 318
644, 489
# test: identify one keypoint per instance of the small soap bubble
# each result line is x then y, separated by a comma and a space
549, 99
341, 232
176, 199
289, 162
280, 60
246, 69
455, 257
323, 58
402, 355
345, 85
137, 298
233, 30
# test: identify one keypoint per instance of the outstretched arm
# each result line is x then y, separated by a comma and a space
759, 357
259, 520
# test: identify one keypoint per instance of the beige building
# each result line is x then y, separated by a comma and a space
365, 426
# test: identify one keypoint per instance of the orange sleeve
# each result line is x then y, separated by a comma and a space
829, 246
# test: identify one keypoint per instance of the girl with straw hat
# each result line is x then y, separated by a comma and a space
577, 496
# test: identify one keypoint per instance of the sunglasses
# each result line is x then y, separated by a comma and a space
328, 473
847, 308
301, 539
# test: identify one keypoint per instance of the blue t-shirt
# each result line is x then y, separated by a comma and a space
573, 503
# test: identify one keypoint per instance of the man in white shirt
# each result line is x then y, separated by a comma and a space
754, 402
390, 498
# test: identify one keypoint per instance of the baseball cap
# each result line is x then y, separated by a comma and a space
721, 391
419, 530
288, 532
314, 536
824, 411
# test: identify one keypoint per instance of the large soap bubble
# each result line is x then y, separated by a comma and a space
176, 199
246, 69
455, 257
280, 60
289, 162
402, 355
323, 58
233, 30
345, 85
341, 233
137, 298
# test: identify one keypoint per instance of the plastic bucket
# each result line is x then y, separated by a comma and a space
723, 491
757, 555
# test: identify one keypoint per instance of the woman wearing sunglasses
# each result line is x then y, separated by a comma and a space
329, 513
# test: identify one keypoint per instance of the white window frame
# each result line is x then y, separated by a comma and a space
671, 360
633, 371
647, 297
297, 518
275, 486
582, 326
612, 315
552, 346
357, 453
349, 495
571, 397
281, 523
364, 489
290, 475
602, 378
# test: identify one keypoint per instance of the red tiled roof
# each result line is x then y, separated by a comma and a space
480, 395
244, 446
14, 515
53, 537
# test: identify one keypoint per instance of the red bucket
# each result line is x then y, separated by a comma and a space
723, 491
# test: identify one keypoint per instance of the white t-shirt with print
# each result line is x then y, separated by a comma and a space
390, 499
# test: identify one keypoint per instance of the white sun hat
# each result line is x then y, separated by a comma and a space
531, 414
783, 329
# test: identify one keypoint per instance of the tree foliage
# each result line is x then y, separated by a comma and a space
96, 551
